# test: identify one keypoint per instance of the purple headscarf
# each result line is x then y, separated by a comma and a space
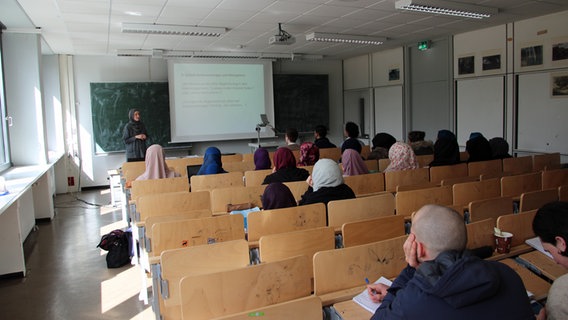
277, 195
261, 159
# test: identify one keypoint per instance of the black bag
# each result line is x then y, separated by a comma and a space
117, 243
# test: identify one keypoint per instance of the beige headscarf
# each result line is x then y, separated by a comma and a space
156, 167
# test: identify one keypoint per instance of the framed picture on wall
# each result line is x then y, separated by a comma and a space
466, 65
560, 52
531, 56
559, 85
492, 62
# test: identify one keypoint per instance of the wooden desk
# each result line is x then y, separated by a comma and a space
350, 310
540, 263
533, 283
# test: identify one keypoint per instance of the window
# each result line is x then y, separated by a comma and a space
4, 148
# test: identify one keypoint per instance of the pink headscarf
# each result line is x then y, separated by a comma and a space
156, 167
401, 157
353, 163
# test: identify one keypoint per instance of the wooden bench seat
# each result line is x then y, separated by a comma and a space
493, 167
302, 308
554, 178
514, 186
490, 208
518, 165
464, 193
215, 181
330, 153
533, 200
408, 202
222, 197
546, 161
439, 173
373, 230
405, 178
366, 183
351, 210
256, 177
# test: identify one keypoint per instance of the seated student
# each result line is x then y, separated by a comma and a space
321, 139
156, 167
381, 145
290, 138
309, 154
285, 169
418, 144
550, 224
401, 158
352, 163
351, 132
446, 149
499, 148
261, 159
326, 184
444, 281
276, 196
478, 148
211, 162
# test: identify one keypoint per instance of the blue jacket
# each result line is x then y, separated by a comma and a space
456, 286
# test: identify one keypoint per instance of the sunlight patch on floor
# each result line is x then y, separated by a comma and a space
147, 314
120, 288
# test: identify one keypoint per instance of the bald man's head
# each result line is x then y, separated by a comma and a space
439, 229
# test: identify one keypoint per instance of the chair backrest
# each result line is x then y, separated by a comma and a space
248, 157
267, 222
409, 201
514, 186
222, 197
384, 258
302, 308
439, 173
131, 170
365, 150
372, 165
256, 177
547, 161
490, 208
405, 178
480, 233
215, 181
223, 293
193, 232
535, 199
365, 208
466, 192
154, 186
226, 158
175, 216
485, 167
452, 181
180, 164
554, 178
178, 263
464, 156
417, 186
298, 188
164, 204
366, 183
238, 166
383, 164
518, 165
563, 193
307, 242
367, 231
330, 153
519, 224
424, 160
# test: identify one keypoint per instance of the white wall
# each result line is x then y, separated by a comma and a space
89, 69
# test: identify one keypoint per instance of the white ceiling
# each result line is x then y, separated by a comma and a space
93, 27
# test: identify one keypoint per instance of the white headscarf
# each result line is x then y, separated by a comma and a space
326, 173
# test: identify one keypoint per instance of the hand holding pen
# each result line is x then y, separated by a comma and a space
376, 291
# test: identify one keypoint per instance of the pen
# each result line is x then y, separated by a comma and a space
373, 291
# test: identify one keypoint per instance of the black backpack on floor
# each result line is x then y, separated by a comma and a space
117, 243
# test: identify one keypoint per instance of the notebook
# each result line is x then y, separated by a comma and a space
365, 301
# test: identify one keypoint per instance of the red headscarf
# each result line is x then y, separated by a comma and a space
309, 154
284, 158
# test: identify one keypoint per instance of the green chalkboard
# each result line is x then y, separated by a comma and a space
110, 103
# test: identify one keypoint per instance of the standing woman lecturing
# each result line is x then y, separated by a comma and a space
134, 136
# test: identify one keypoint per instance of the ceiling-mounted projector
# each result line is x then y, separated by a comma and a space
282, 38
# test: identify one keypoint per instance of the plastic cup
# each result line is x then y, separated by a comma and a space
503, 242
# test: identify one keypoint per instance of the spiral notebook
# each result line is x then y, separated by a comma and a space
365, 301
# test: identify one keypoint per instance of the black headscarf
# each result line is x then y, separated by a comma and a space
136, 126
478, 148
446, 149
383, 140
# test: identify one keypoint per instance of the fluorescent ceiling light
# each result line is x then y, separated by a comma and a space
158, 53
171, 29
446, 8
344, 38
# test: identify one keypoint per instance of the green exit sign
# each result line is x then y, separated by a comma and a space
424, 45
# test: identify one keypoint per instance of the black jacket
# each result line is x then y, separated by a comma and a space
324, 143
327, 194
287, 175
